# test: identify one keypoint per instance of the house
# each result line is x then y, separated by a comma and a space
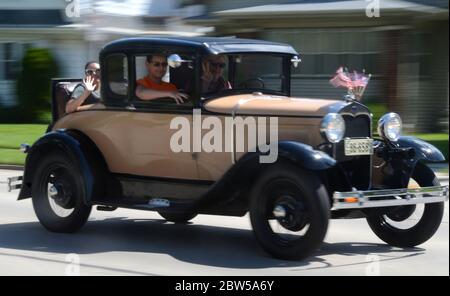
75, 34
403, 44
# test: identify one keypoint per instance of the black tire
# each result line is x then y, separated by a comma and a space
303, 196
178, 217
424, 229
57, 169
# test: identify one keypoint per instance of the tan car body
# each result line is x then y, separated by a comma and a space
136, 142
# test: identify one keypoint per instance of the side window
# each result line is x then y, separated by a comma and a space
117, 78
153, 73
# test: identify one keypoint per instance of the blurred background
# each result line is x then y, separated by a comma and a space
404, 45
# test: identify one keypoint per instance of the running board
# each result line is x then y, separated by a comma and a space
155, 204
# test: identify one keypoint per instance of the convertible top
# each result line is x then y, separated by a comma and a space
206, 45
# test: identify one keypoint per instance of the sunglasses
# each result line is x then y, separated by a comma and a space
218, 65
158, 64
92, 71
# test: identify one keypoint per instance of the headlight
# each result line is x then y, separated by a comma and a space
390, 127
333, 127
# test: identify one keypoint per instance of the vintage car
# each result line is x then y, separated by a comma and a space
323, 160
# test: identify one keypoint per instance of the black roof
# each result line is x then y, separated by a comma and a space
206, 45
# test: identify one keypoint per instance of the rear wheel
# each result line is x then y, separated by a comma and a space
289, 212
58, 194
409, 226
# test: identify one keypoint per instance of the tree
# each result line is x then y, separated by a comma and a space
34, 83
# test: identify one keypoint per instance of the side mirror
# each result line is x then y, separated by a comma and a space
175, 61
295, 61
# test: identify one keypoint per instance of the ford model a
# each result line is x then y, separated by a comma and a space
312, 159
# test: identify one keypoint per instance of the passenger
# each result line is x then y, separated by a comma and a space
212, 78
86, 94
152, 86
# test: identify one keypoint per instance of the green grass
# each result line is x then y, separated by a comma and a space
432, 137
12, 156
12, 135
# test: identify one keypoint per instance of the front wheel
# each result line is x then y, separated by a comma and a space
409, 226
289, 212
58, 194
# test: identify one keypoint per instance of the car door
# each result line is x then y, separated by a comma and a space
134, 137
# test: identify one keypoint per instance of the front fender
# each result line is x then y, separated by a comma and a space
234, 186
402, 157
423, 151
305, 156
58, 140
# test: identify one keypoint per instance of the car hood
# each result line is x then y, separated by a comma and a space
257, 104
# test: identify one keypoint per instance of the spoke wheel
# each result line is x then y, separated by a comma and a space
409, 226
289, 212
58, 194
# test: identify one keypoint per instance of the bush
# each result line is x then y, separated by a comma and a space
378, 110
34, 83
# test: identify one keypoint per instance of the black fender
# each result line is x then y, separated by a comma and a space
232, 188
75, 145
402, 157
423, 151
305, 156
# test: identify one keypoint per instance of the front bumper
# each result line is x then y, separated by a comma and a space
389, 197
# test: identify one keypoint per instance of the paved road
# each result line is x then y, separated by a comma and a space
127, 242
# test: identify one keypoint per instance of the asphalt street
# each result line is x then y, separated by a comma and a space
128, 242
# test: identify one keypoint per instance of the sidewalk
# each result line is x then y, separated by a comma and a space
441, 170
11, 167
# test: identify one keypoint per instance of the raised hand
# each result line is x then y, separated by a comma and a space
207, 74
89, 83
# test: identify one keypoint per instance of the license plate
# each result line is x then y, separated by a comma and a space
358, 147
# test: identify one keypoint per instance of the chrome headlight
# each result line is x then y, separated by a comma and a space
333, 127
390, 127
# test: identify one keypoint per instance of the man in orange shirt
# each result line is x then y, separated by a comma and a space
152, 87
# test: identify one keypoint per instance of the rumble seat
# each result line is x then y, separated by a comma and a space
63, 90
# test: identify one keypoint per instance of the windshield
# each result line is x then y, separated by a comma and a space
244, 73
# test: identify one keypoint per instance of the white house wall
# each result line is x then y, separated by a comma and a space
70, 51
33, 4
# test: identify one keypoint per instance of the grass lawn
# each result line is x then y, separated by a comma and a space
12, 156
12, 135
432, 137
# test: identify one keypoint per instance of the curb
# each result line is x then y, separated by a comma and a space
442, 177
11, 167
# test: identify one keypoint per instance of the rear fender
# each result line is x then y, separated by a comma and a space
76, 146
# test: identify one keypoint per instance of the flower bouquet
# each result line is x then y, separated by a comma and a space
354, 82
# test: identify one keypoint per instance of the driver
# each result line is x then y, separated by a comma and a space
212, 78
152, 86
